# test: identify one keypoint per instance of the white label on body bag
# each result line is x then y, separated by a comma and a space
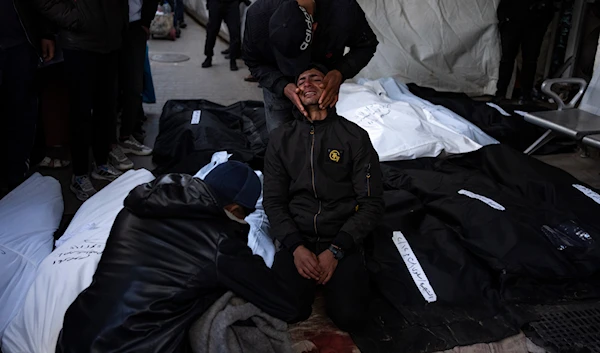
487, 201
498, 108
588, 192
414, 267
196, 117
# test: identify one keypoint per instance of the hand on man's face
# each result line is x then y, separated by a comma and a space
331, 89
291, 91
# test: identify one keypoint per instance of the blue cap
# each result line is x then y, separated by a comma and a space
235, 182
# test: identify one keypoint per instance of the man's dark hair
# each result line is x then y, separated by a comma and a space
324, 70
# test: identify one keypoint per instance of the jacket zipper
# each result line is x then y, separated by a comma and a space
312, 168
369, 179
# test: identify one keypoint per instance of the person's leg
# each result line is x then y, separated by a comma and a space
510, 36
134, 50
105, 110
285, 268
347, 293
179, 9
533, 36
278, 111
212, 30
232, 19
19, 111
79, 68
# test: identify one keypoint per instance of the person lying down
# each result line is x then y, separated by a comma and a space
177, 246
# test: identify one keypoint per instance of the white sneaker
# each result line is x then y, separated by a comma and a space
119, 160
106, 172
133, 146
82, 187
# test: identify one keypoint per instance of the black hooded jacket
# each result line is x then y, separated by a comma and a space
322, 182
341, 24
171, 253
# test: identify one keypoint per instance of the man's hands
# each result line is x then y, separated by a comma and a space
328, 264
291, 91
310, 267
47, 49
306, 263
331, 85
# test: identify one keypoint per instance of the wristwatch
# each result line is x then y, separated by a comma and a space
338, 253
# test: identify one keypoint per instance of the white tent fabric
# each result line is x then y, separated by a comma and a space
403, 130
591, 99
29, 216
68, 270
259, 240
446, 45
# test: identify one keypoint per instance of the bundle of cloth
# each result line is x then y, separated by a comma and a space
402, 126
469, 242
29, 216
68, 270
191, 129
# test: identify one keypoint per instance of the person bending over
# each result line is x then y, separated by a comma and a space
323, 196
177, 246
282, 37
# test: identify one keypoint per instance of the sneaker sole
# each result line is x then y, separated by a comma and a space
137, 153
122, 167
78, 194
100, 177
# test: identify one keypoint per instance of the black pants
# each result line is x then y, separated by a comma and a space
92, 88
346, 294
131, 77
217, 12
525, 35
18, 111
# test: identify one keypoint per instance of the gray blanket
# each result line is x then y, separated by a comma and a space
216, 331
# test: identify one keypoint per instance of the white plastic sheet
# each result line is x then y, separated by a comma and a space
446, 45
68, 270
400, 130
29, 216
259, 240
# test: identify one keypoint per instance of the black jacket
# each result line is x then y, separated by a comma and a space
35, 26
90, 25
322, 182
341, 23
171, 253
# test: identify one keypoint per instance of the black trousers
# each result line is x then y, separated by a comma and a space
528, 36
92, 97
217, 12
18, 111
131, 77
346, 294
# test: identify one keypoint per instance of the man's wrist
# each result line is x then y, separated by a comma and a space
337, 252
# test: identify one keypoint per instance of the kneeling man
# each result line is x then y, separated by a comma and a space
323, 196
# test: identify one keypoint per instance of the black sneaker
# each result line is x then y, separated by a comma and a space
233, 66
207, 62
225, 52
182, 24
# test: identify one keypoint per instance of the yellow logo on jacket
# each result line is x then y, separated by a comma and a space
335, 155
